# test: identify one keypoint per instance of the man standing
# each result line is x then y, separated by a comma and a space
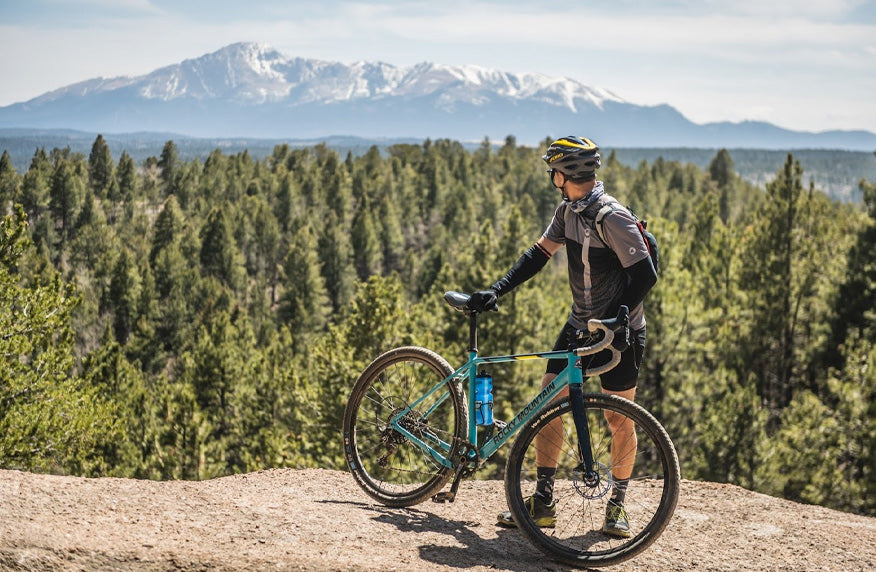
607, 269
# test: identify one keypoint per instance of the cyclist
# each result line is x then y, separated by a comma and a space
603, 276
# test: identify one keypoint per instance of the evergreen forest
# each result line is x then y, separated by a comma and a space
187, 319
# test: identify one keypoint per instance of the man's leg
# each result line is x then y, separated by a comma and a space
624, 444
623, 457
548, 443
623, 438
549, 440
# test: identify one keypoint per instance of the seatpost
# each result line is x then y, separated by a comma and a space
473, 332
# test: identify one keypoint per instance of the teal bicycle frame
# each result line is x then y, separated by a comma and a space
572, 377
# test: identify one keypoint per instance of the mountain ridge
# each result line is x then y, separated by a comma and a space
257, 73
252, 90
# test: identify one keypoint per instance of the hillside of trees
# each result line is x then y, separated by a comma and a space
836, 172
185, 319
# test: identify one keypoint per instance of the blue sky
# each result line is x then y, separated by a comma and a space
806, 65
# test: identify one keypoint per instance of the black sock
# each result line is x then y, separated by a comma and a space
544, 486
619, 491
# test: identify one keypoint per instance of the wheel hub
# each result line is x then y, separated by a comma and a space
592, 484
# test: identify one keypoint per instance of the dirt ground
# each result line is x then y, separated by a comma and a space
320, 520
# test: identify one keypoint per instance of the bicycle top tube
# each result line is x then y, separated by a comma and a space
460, 302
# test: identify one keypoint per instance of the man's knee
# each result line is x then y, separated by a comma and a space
617, 421
547, 379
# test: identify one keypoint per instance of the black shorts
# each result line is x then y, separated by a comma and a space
624, 376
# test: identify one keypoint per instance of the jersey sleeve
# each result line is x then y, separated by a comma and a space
623, 237
556, 229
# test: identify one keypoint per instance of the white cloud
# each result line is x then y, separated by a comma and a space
144, 5
787, 8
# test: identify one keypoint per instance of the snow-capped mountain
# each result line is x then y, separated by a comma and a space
252, 90
254, 74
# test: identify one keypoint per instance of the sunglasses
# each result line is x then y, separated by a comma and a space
550, 174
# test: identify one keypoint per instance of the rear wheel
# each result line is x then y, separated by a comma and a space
389, 467
577, 538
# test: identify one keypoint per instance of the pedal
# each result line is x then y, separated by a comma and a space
461, 464
444, 496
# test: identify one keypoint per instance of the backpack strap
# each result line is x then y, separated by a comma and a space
650, 239
600, 214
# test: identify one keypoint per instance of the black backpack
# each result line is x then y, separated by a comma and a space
642, 225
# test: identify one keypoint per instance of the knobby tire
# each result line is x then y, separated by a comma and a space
388, 467
577, 538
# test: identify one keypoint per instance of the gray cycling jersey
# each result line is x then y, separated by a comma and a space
596, 270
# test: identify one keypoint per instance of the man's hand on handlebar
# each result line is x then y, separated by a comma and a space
483, 301
622, 330
621, 338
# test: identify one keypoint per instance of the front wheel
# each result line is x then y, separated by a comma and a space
581, 499
389, 467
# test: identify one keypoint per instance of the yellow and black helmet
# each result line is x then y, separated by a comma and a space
575, 157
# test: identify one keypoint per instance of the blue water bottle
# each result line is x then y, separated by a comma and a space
483, 399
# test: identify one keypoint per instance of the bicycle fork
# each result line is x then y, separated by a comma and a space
579, 414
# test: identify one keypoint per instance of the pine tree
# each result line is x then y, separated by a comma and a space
94, 238
9, 180
367, 251
220, 256
126, 174
721, 168
267, 243
391, 238
35, 187
287, 197
168, 226
722, 173
175, 284
109, 373
65, 197
786, 263
49, 419
168, 165
304, 302
217, 369
88, 214
123, 296
856, 311
336, 257
101, 170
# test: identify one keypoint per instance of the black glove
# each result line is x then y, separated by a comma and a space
621, 339
483, 301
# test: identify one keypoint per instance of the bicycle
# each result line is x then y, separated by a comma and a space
407, 430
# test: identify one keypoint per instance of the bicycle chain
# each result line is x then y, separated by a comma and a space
467, 458
392, 440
